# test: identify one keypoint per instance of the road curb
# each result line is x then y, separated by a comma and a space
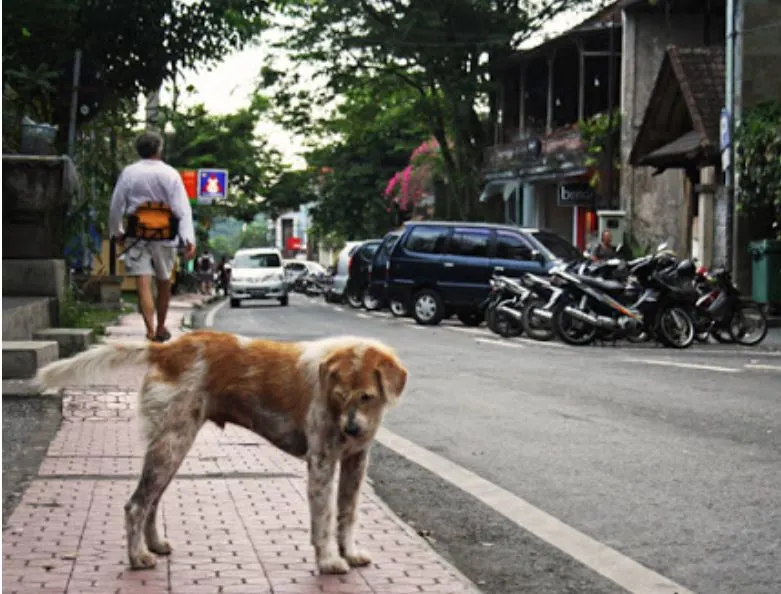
198, 316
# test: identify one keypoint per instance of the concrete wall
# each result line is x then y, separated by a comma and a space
656, 205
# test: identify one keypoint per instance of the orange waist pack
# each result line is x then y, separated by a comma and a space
152, 221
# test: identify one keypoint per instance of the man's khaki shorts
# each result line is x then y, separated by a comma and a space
150, 258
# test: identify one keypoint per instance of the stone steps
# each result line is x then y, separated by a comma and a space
24, 316
22, 358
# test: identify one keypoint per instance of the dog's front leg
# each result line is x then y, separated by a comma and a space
322, 508
353, 470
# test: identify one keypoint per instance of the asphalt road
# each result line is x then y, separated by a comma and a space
672, 458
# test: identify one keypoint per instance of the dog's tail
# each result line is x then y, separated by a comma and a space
91, 363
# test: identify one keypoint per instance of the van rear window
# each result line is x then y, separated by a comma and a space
426, 240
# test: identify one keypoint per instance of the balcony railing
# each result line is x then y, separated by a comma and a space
535, 152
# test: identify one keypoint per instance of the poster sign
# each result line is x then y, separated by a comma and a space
190, 180
212, 185
293, 243
577, 194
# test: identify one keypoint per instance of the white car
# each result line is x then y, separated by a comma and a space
257, 273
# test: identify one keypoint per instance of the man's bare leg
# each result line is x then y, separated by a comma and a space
163, 299
146, 303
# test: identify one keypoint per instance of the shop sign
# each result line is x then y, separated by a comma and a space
576, 194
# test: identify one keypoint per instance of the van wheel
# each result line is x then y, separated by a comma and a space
427, 308
370, 302
235, 302
398, 309
354, 299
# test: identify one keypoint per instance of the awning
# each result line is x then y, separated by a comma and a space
505, 187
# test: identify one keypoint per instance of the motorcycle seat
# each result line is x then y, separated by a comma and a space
602, 284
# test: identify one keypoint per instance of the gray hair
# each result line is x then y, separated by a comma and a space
149, 144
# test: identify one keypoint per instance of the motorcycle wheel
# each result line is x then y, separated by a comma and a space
505, 325
490, 314
676, 328
573, 331
737, 324
535, 327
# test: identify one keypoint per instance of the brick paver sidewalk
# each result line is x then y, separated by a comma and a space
236, 513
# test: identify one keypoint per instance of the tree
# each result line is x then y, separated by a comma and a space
448, 52
203, 140
129, 47
364, 141
292, 190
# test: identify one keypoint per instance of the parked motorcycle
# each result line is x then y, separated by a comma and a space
650, 303
723, 312
507, 297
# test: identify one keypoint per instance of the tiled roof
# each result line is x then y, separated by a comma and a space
700, 72
692, 79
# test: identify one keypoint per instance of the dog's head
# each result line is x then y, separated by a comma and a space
360, 380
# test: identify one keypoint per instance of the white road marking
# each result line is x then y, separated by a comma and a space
609, 563
208, 322
665, 363
466, 330
504, 343
762, 367
558, 345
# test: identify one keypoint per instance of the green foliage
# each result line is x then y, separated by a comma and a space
134, 45
595, 133
201, 140
758, 164
369, 137
291, 190
449, 53
78, 313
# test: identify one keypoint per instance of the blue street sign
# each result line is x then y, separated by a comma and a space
212, 185
724, 129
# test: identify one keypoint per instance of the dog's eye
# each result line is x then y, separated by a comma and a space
366, 397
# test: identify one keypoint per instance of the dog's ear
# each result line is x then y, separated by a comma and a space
392, 378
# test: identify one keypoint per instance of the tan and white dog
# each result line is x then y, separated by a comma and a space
321, 400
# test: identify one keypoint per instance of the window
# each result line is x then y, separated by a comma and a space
257, 261
426, 240
469, 242
558, 246
368, 250
511, 246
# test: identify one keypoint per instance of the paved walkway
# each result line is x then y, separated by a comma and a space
236, 513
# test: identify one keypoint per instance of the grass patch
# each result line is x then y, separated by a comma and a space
80, 314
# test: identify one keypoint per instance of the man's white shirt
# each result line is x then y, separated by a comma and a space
151, 180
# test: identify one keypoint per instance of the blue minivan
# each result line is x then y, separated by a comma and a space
441, 268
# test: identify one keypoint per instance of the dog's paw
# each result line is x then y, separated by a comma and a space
333, 565
145, 560
358, 559
161, 547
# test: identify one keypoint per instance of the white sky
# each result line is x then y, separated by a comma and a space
227, 87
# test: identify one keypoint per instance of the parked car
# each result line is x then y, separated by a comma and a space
377, 295
336, 291
257, 274
297, 270
358, 272
441, 268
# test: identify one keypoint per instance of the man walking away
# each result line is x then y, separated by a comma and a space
151, 180
206, 271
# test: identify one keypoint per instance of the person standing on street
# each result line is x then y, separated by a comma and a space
206, 271
151, 180
605, 249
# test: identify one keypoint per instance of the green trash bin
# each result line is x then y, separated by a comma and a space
766, 270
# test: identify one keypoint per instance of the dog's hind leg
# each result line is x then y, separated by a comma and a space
164, 455
322, 509
353, 470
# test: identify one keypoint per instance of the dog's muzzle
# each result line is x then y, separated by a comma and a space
352, 428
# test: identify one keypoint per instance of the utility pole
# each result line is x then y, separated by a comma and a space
728, 156
611, 86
